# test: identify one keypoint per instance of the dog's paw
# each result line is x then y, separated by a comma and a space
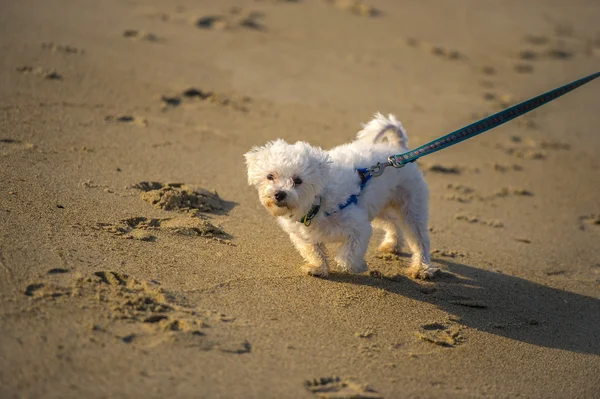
354, 268
388, 247
357, 269
315, 271
423, 272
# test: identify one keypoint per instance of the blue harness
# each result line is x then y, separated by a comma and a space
364, 175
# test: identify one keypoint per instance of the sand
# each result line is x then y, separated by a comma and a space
136, 262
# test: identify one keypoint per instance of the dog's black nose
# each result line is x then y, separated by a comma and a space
280, 195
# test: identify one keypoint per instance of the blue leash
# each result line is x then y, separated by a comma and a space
483, 125
472, 130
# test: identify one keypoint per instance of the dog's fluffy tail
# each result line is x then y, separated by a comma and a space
381, 127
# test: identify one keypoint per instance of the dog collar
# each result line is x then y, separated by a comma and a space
307, 219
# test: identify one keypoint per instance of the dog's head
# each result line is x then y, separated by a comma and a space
288, 176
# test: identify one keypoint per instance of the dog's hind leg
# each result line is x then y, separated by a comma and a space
412, 206
313, 254
389, 220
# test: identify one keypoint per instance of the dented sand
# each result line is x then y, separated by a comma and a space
117, 282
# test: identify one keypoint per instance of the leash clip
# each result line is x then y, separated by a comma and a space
378, 169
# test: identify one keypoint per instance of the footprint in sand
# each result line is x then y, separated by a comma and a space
523, 152
127, 119
193, 201
545, 49
193, 95
511, 192
143, 229
180, 197
57, 270
468, 303
476, 220
532, 149
138, 313
62, 48
503, 168
528, 55
465, 194
132, 228
175, 14
45, 73
561, 47
438, 168
448, 253
459, 193
554, 271
557, 53
442, 334
438, 51
10, 146
234, 19
134, 34
554, 145
355, 7
461, 189
213, 22
337, 388
523, 240
446, 169
91, 184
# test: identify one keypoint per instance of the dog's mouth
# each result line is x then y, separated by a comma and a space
269, 202
276, 208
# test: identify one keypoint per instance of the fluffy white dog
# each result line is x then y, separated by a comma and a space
321, 196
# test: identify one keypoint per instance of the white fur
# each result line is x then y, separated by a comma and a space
396, 201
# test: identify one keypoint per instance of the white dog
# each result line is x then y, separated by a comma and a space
321, 196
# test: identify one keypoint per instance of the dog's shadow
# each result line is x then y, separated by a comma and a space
502, 305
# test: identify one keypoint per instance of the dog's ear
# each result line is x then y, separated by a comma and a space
251, 163
317, 155
253, 160
252, 154
319, 162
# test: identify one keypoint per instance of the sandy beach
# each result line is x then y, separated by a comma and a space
135, 260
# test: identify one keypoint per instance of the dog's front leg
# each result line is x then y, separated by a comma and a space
351, 256
313, 254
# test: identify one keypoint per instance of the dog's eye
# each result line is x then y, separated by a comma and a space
297, 181
270, 176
